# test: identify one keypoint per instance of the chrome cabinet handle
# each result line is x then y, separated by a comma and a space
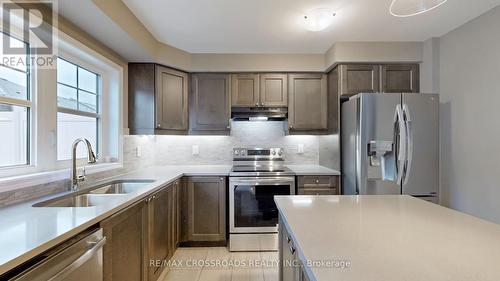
61, 275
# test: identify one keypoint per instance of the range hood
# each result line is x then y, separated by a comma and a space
259, 113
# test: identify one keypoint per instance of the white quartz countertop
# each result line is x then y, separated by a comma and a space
313, 170
390, 238
26, 231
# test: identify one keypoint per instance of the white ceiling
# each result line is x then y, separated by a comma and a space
275, 26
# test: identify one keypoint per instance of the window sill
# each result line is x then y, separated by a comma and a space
23, 181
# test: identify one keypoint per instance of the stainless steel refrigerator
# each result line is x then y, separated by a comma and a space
390, 144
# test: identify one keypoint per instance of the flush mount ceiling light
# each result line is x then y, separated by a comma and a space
319, 19
408, 8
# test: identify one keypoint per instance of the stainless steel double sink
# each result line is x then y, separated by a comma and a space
98, 195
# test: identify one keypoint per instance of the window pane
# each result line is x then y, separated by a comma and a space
15, 61
69, 128
12, 83
14, 124
66, 97
87, 102
87, 80
66, 73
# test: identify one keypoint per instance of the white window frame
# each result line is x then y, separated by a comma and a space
103, 103
44, 166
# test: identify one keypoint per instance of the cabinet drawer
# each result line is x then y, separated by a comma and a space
316, 182
318, 191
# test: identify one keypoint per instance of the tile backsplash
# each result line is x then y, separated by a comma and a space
217, 150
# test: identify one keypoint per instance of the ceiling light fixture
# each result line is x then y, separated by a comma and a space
319, 19
408, 8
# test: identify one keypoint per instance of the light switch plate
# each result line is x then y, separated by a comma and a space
196, 150
300, 148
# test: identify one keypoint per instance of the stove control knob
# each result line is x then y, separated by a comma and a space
280, 152
236, 152
274, 152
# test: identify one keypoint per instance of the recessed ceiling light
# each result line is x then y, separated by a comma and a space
319, 19
408, 8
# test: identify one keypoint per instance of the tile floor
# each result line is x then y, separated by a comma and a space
218, 264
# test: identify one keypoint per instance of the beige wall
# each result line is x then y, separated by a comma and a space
470, 131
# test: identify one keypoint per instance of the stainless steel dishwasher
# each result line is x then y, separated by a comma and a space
78, 259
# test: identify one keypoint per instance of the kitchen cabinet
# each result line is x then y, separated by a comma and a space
259, 90
359, 78
289, 265
210, 102
318, 185
273, 90
400, 78
159, 230
308, 102
158, 100
171, 99
206, 204
144, 232
123, 252
245, 90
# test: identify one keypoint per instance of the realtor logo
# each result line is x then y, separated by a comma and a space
34, 23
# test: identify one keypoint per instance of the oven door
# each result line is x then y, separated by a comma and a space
251, 203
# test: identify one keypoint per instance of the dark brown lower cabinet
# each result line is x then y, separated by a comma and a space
206, 213
143, 237
318, 185
123, 252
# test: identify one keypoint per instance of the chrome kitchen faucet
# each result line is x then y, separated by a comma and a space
91, 159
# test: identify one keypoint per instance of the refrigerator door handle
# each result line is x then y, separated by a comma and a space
409, 141
400, 142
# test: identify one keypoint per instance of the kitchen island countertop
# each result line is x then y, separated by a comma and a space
389, 238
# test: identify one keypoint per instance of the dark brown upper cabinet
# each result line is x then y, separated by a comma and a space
245, 90
259, 90
171, 99
158, 100
308, 102
357, 78
210, 108
273, 90
400, 78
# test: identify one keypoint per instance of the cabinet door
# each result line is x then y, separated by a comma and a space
210, 102
273, 90
308, 102
245, 90
123, 255
207, 209
158, 231
141, 98
171, 99
400, 78
288, 257
357, 79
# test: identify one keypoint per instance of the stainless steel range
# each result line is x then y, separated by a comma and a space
258, 175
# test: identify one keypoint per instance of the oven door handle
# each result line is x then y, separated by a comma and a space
263, 180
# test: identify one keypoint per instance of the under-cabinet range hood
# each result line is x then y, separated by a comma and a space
259, 113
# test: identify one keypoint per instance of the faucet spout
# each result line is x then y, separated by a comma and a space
91, 159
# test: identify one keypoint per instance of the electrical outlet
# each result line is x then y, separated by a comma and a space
196, 150
300, 149
138, 151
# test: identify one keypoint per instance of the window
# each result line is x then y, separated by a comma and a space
15, 109
78, 108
